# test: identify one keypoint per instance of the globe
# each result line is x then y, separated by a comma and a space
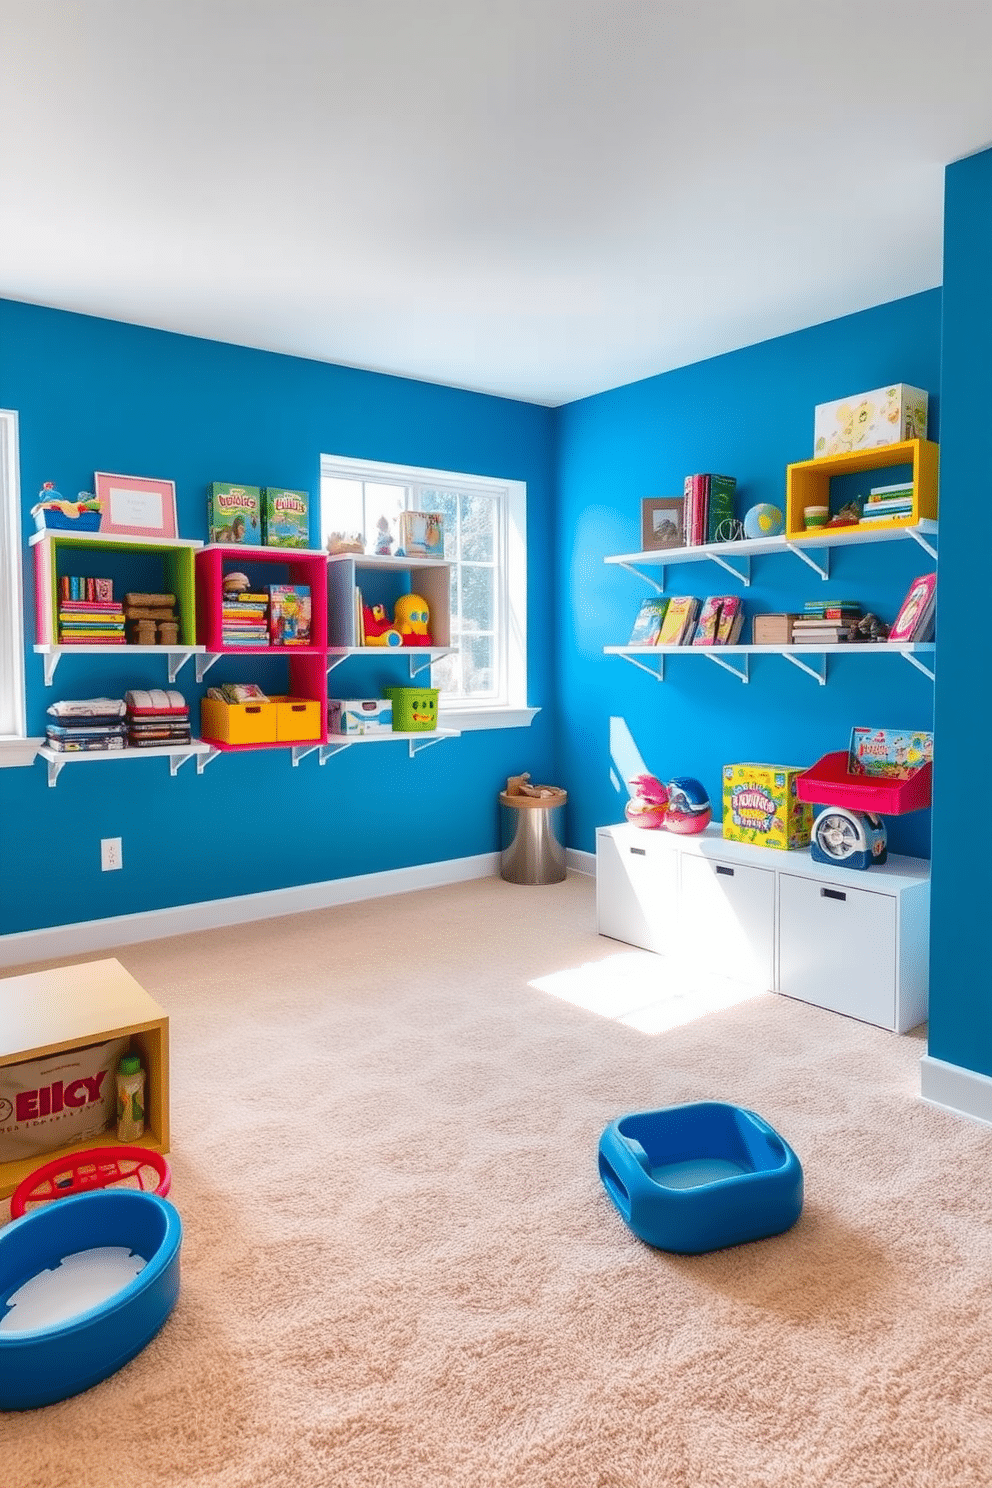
764, 520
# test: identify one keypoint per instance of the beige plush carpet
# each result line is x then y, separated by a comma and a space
400, 1268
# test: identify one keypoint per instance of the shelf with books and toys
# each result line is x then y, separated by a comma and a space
381, 604
90, 594
262, 602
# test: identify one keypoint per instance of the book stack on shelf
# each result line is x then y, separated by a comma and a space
885, 502
915, 620
88, 613
709, 508
157, 717
244, 613
825, 622
82, 725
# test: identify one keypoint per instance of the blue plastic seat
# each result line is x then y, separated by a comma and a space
701, 1176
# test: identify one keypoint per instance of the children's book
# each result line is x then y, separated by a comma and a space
680, 617
647, 625
289, 615
708, 622
914, 621
720, 506
731, 621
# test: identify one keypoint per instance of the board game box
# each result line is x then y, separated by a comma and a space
285, 518
761, 805
892, 754
234, 514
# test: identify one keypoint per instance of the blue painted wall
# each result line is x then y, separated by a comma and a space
748, 414
99, 395
960, 1007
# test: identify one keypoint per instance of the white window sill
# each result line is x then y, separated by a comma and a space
468, 719
15, 753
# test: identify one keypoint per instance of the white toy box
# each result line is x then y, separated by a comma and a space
359, 716
886, 415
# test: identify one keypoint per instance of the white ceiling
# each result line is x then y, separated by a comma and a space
535, 198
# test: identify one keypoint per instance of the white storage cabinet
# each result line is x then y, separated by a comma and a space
853, 941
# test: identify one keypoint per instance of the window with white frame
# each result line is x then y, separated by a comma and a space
483, 680
15, 749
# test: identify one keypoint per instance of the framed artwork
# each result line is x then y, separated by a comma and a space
134, 506
662, 522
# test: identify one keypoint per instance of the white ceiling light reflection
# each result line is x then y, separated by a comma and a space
645, 991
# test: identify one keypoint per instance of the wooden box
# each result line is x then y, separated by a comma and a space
772, 630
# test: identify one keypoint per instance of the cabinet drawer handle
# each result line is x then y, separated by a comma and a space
728, 871
639, 852
833, 894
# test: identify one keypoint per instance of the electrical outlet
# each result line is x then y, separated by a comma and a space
111, 855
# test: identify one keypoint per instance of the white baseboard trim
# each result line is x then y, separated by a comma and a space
964, 1092
580, 862
214, 914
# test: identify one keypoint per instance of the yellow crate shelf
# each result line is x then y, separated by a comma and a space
807, 483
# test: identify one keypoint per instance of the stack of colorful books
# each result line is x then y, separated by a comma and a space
709, 508
886, 502
825, 622
81, 725
245, 618
91, 622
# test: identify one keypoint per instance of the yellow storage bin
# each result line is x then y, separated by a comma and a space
239, 723
297, 719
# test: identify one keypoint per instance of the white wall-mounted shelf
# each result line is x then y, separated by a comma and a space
735, 557
177, 755
417, 741
810, 659
178, 655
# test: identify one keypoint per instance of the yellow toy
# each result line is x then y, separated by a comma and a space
410, 616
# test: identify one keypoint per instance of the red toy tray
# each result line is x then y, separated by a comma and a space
827, 783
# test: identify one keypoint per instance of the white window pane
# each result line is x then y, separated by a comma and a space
478, 665
341, 506
478, 607
478, 540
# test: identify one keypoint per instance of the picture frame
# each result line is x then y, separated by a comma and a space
136, 505
662, 523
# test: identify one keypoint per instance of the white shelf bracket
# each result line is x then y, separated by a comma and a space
416, 747
653, 583
915, 661
743, 573
822, 568
925, 544
819, 673
658, 673
51, 660
177, 660
414, 668
204, 661
745, 675
203, 760
177, 760
300, 751
334, 661
54, 769
327, 751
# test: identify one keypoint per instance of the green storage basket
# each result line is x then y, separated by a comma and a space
414, 709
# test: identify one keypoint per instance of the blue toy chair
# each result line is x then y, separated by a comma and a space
701, 1176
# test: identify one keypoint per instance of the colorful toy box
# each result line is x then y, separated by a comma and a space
234, 514
761, 805
886, 415
285, 518
359, 716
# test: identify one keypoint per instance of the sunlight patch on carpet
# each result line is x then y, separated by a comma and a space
643, 991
